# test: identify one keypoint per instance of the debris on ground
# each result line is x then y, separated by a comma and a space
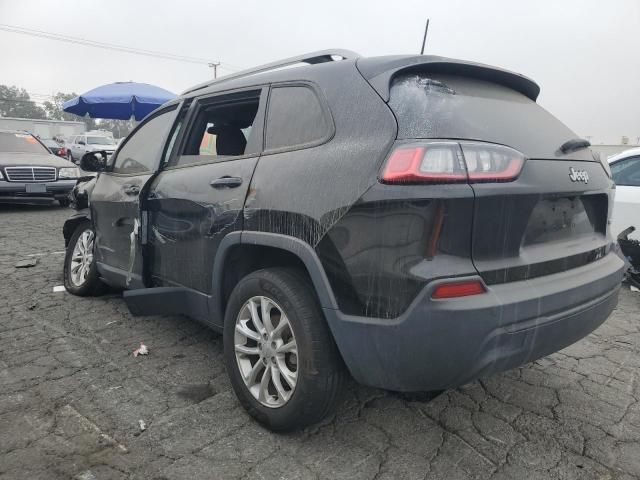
142, 425
634, 288
32, 305
28, 263
59, 288
88, 475
141, 350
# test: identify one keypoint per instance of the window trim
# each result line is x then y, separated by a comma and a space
200, 102
326, 111
623, 160
154, 114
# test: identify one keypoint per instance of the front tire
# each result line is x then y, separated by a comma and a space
282, 361
80, 272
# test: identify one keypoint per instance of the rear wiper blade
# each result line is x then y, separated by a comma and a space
574, 144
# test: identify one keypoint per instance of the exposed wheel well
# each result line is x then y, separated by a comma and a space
244, 259
70, 226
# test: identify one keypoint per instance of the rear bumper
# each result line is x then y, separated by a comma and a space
440, 344
16, 192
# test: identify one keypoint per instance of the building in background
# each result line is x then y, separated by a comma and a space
609, 147
44, 128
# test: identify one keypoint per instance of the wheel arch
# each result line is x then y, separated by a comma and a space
282, 247
72, 223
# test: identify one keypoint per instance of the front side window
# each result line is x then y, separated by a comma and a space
295, 118
627, 172
223, 129
20, 143
142, 150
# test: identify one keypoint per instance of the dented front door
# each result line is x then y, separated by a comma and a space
115, 200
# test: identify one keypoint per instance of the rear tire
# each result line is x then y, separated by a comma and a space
315, 369
80, 272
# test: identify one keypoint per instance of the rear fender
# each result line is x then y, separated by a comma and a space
300, 249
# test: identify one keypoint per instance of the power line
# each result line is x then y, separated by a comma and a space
108, 46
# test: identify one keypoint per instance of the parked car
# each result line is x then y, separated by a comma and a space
625, 168
30, 173
81, 144
416, 221
57, 148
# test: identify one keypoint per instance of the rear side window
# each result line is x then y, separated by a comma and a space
627, 172
20, 143
449, 106
295, 118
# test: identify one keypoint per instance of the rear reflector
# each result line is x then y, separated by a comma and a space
451, 162
458, 289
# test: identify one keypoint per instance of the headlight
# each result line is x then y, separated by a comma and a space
69, 172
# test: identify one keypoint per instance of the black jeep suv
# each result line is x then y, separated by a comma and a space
418, 220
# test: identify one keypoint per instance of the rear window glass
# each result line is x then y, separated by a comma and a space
448, 106
295, 118
627, 172
100, 141
20, 143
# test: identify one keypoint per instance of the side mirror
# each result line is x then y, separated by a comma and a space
94, 161
81, 143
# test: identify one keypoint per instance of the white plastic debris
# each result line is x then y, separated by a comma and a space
634, 289
59, 288
141, 350
142, 425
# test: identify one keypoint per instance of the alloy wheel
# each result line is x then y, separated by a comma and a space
82, 258
266, 351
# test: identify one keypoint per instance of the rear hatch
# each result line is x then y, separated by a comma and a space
551, 215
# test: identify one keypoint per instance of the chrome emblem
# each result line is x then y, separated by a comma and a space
578, 175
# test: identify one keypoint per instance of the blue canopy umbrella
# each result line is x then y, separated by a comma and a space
119, 101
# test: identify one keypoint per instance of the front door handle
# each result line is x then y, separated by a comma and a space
226, 182
131, 189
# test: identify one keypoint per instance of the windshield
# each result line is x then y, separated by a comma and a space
20, 143
100, 141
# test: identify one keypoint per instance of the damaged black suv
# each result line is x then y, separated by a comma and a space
415, 221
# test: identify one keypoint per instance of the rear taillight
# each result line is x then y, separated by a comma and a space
450, 162
428, 163
492, 163
458, 289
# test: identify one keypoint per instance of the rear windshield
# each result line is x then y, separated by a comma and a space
20, 143
100, 141
447, 106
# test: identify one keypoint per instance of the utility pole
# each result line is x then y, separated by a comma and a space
424, 39
215, 66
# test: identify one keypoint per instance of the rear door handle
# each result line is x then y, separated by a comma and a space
131, 189
226, 182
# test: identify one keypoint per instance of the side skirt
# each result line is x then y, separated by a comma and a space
169, 301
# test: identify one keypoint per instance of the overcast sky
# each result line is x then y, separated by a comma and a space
585, 54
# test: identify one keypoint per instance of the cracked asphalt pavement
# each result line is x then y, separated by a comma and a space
72, 396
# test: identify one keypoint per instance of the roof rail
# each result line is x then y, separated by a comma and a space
312, 58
